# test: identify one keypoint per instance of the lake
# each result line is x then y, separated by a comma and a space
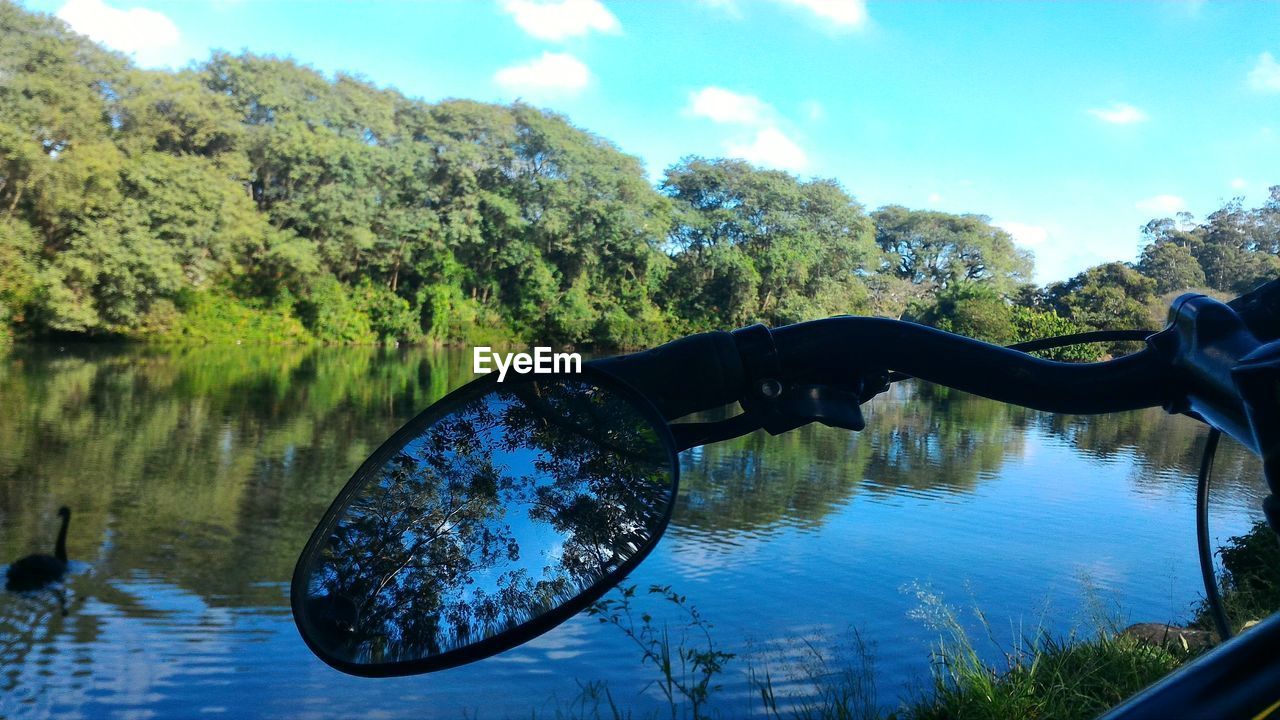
196, 475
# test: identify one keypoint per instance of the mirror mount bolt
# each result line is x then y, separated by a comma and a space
770, 389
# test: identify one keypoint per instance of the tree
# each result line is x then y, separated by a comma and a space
762, 244
935, 249
19, 246
972, 309
1234, 249
1113, 296
134, 200
180, 114
1171, 266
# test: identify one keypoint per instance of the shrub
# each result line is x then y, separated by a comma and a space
211, 317
333, 316
1250, 580
1031, 324
390, 316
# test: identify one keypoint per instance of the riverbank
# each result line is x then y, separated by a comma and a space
1042, 677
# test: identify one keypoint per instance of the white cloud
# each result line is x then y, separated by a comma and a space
935, 198
1119, 114
1166, 204
557, 20
844, 14
813, 110
552, 72
1024, 234
725, 106
131, 31
771, 148
1239, 184
759, 141
1265, 75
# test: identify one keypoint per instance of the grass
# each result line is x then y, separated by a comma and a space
1054, 678
688, 667
1042, 676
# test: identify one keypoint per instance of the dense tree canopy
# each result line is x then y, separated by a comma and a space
253, 198
937, 250
753, 244
1233, 250
126, 196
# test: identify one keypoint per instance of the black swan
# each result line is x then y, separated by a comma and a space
36, 571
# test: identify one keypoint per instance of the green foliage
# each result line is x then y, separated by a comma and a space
214, 317
972, 309
1049, 679
1043, 676
332, 315
1107, 297
447, 315
1250, 580
391, 317
262, 178
389, 218
978, 311
1171, 266
937, 249
720, 284
1033, 324
762, 245
1231, 251
18, 284
573, 316
642, 327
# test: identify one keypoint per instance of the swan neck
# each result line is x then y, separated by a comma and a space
60, 550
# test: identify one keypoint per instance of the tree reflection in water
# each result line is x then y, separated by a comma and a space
509, 506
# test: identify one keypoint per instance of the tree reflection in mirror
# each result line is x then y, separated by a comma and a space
522, 498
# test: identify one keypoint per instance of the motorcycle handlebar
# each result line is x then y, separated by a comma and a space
706, 371
1189, 367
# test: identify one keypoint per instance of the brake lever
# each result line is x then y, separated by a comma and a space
782, 404
782, 408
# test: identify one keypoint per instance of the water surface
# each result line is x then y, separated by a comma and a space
196, 476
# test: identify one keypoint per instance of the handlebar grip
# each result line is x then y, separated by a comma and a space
683, 376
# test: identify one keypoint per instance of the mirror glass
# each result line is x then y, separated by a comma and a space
517, 499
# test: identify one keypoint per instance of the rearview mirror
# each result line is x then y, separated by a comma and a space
492, 517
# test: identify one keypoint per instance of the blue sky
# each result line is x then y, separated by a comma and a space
1069, 124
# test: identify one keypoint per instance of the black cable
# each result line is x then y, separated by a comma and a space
1212, 594
1049, 343
1092, 336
